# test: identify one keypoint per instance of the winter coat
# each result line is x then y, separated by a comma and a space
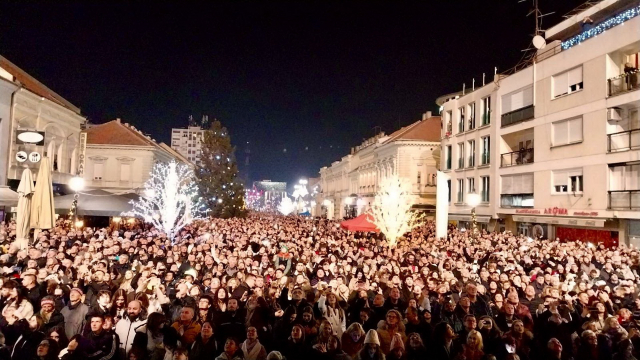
101, 346
385, 334
126, 330
201, 351
74, 318
56, 319
190, 332
335, 315
236, 356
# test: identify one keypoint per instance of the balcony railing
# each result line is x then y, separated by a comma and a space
486, 159
524, 156
624, 199
516, 200
472, 161
624, 82
624, 140
517, 116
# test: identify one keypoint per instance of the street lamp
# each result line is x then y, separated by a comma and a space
473, 200
76, 184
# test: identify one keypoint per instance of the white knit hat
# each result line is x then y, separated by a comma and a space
372, 337
275, 355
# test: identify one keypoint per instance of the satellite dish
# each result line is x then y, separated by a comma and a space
539, 42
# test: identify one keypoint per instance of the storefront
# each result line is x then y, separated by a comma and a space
567, 225
464, 222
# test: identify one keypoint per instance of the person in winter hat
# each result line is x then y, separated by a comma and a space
397, 348
371, 349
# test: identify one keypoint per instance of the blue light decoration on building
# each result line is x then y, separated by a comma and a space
602, 27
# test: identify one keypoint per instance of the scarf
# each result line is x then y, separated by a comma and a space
251, 353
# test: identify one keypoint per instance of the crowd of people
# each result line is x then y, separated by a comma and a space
270, 287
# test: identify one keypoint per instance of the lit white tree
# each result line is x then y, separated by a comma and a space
171, 200
391, 209
286, 206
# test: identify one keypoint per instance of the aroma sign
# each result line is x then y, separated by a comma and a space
556, 211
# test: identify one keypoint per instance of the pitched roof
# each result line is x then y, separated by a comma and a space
116, 133
425, 130
30, 83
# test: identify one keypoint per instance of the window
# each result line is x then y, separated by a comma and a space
449, 189
125, 172
517, 99
449, 119
98, 170
449, 156
624, 177
567, 181
472, 185
567, 82
472, 153
517, 184
460, 155
486, 110
485, 189
486, 150
460, 190
462, 118
567, 131
472, 116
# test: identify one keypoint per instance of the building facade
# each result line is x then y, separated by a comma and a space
348, 187
565, 161
188, 142
36, 108
120, 158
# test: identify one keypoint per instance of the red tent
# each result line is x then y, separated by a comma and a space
363, 222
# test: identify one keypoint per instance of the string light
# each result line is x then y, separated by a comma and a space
602, 27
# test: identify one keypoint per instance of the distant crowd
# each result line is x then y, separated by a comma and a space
270, 287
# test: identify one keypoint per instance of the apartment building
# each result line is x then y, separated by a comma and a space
348, 186
188, 142
566, 133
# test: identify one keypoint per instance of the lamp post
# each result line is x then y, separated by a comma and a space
76, 184
473, 200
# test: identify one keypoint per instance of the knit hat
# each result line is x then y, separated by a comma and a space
372, 337
78, 290
47, 300
396, 342
275, 355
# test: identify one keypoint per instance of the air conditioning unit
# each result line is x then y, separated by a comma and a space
614, 114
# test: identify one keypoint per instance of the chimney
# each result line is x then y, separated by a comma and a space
118, 120
426, 115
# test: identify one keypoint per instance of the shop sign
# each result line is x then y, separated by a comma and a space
21, 156
585, 213
556, 211
527, 211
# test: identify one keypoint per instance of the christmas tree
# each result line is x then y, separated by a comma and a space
218, 180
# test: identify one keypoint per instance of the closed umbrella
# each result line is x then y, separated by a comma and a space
42, 209
25, 191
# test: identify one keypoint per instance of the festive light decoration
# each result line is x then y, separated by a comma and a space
286, 206
391, 209
171, 200
602, 27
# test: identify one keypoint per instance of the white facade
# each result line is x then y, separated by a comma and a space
567, 134
349, 185
35, 107
6, 95
188, 142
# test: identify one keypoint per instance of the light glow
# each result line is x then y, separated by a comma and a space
286, 206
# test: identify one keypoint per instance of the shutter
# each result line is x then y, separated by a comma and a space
616, 178
506, 103
575, 130
575, 76
517, 100
527, 184
125, 172
560, 132
527, 96
560, 178
507, 185
574, 172
560, 84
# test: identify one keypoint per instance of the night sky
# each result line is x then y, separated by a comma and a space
313, 78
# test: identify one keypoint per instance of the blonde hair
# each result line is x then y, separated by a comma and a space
477, 334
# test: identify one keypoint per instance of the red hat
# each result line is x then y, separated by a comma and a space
78, 290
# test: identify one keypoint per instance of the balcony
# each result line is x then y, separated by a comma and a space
624, 200
517, 116
623, 141
522, 157
516, 200
624, 83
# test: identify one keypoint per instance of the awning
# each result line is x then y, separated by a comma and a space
560, 220
94, 203
8, 197
363, 222
479, 218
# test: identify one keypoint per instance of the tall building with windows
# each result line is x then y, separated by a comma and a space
188, 142
564, 134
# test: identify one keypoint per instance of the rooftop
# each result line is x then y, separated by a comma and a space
115, 132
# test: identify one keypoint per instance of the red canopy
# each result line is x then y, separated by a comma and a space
363, 222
